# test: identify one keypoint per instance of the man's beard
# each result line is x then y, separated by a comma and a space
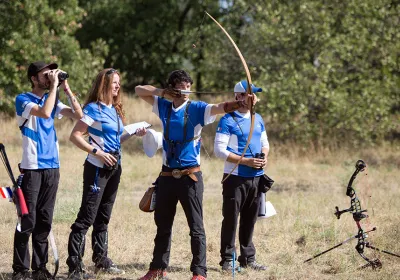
43, 85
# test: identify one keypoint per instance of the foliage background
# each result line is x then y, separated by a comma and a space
329, 69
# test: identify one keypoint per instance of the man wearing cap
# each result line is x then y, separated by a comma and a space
241, 194
180, 178
36, 111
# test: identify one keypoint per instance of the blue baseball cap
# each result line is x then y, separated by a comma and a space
242, 87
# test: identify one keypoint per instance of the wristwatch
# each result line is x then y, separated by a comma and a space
94, 151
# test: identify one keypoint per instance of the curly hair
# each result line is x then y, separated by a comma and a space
177, 77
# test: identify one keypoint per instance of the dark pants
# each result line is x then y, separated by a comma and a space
240, 196
190, 194
39, 188
100, 188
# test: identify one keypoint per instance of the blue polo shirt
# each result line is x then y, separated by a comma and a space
238, 129
198, 117
39, 139
103, 128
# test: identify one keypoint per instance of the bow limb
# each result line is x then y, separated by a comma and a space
236, 48
250, 94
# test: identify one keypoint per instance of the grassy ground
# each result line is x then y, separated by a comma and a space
308, 186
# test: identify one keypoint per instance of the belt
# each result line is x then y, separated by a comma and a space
177, 174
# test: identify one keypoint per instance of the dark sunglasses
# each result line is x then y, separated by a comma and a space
112, 70
241, 93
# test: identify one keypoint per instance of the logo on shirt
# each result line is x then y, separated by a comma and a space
24, 104
85, 111
219, 128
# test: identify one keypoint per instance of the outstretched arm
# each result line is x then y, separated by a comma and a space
230, 106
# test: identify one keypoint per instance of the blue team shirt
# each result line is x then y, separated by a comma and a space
198, 117
238, 131
39, 139
103, 128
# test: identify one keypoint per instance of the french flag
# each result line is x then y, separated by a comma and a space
6, 192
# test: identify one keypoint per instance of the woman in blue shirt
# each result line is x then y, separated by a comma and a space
103, 121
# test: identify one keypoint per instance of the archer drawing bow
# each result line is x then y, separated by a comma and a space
358, 215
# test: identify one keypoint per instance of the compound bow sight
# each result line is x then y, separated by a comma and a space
358, 214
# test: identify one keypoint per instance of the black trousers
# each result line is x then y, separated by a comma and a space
100, 188
40, 189
240, 196
190, 194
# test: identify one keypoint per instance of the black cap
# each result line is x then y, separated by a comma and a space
37, 66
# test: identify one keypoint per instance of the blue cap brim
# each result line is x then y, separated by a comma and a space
256, 89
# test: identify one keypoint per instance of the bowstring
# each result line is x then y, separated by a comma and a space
240, 127
366, 197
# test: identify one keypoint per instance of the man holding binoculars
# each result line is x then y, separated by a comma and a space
36, 111
242, 188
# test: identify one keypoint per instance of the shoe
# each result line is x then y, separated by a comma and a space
156, 274
105, 265
198, 277
42, 274
78, 275
255, 266
21, 275
228, 265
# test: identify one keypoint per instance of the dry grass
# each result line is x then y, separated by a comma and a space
308, 186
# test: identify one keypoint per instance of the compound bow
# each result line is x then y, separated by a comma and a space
358, 214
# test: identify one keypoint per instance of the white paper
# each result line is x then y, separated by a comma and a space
270, 210
131, 128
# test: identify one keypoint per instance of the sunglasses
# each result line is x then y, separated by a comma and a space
241, 93
112, 70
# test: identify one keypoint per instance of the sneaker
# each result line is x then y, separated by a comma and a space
255, 266
157, 274
105, 265
42, 274
78, 275
21, 275
228, 266
198, 277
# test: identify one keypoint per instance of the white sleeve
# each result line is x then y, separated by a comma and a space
220, 144
264, 140
59, 107
207, 115
87, 120
27, 110
155, 105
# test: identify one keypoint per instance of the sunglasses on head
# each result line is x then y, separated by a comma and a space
112, 70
